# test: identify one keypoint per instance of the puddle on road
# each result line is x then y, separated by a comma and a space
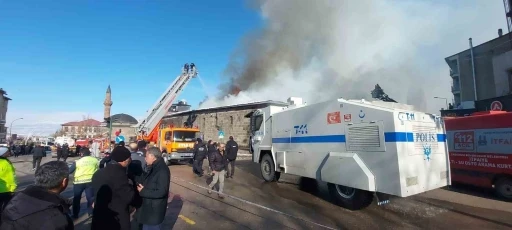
408, 207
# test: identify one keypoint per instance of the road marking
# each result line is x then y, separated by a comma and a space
257, 205
189, 221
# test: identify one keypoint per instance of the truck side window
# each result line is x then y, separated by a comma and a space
168, 136
256, 122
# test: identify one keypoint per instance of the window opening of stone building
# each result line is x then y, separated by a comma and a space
231, 120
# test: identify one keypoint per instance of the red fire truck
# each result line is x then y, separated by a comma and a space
480, 148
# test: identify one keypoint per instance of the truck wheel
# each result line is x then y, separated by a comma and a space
268, 170
350, 198
504, 188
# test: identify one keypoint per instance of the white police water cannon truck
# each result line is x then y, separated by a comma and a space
361, 149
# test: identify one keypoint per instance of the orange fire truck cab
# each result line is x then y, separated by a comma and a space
480, 149
177, 143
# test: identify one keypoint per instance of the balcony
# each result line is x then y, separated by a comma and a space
2, 122
454, 72
455, 89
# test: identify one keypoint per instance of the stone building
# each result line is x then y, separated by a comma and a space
4, 101
88, 128
231, 120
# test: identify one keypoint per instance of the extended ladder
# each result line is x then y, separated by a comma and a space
160, 108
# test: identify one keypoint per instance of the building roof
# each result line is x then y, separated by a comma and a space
88, 122
258, 103
3, 93
123, 118
475, 47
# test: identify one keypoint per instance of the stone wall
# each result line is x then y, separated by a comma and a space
232, 122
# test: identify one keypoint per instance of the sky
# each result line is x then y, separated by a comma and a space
58, 57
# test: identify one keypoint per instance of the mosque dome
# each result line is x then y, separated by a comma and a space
124, 119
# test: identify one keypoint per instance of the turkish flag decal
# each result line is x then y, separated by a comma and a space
334, 118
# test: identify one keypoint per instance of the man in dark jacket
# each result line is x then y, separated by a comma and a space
59, 152
65, 152
17, 151
137, 167
200, 152
113, 193
231, 152
106, 160
211, 148
40, 206
37, 155
218, 162
27, 149
154, 191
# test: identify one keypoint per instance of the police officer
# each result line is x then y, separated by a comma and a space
8, 175
84, 169
199, 155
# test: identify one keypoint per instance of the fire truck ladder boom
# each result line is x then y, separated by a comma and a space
160, 108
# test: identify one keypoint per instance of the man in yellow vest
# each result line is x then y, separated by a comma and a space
84, 169
8, 176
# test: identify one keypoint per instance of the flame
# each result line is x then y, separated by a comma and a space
235, 90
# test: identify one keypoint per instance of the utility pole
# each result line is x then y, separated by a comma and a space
10, 128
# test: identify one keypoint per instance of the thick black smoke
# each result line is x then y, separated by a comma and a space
326, 49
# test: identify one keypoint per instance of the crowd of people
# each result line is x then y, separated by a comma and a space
129, 180
221, 158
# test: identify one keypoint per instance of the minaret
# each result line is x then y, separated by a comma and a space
108, 103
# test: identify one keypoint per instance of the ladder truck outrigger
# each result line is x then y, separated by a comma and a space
176, 142
361, 149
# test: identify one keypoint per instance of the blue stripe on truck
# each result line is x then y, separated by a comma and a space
389, 137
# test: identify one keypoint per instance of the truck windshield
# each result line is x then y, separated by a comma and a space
184, 136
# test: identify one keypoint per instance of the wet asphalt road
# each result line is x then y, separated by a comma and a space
290, 204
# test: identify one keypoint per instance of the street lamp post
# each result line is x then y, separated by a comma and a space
10, 128
445, 100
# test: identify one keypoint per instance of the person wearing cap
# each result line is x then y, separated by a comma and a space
106, 159
8, 175
113, 193
84, 169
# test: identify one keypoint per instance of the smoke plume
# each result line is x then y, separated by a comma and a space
328, 49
